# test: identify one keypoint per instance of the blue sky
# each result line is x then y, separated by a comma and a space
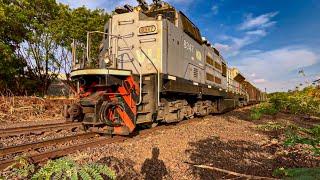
268, 40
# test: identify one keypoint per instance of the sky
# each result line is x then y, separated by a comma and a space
270, 41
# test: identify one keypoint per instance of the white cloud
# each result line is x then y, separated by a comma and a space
222, 47
259, 32
262, 21
234, 44
259, 81
273, 69
255, 30
215, 9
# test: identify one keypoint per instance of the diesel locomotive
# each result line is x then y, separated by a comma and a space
152, 66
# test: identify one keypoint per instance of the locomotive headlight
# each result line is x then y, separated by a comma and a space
147, 30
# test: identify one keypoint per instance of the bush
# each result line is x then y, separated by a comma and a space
255, 114
265, 108
305, 136
65, 168
62, 169
306, 102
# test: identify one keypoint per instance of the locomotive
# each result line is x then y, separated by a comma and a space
152, 66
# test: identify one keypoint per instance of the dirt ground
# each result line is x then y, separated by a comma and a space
230, 142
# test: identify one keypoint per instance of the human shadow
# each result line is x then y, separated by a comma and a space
154, 168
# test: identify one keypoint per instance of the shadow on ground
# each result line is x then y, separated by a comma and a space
152, 169
124, 168
241, 157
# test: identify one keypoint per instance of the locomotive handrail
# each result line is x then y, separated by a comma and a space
158, 74
140, 73
88, 40
116, 55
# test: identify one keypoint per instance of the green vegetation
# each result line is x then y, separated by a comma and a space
22, 168
298, 173
62, 169
264, 108
35, 41
270, 126
305, 102
308, 136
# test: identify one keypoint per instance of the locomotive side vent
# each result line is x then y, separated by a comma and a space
195, 73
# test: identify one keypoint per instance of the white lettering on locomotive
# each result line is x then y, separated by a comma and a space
188, 46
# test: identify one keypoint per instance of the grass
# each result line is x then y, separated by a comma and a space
298, 173
264, 108
270, 126
306, 136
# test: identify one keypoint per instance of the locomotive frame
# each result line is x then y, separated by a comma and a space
153, 67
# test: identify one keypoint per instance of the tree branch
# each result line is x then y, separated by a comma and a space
230, 172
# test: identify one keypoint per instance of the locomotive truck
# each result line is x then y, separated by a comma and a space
152, 66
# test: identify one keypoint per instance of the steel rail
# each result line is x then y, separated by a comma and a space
36, 145
36, 129
41, 157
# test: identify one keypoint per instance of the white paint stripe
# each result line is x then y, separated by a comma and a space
172, 78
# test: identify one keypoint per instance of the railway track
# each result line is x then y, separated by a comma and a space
56, 153
37, 129
36, 145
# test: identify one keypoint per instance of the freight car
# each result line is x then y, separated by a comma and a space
153, 66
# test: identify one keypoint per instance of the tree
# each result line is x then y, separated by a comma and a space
12, 33
35, 41
73, 26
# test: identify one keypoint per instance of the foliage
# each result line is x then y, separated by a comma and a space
255, 114
306, 102
270, 126
12, 33
298, 135
265, 108
22, 167
67, 169
35, 41
298, 173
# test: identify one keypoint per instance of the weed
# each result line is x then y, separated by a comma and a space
255, 114
298, 173
270, 126
67, 169
265, 108
306, 102
298, 135
22, 168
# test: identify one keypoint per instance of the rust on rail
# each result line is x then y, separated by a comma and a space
36, 158
36, 129
40, 144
